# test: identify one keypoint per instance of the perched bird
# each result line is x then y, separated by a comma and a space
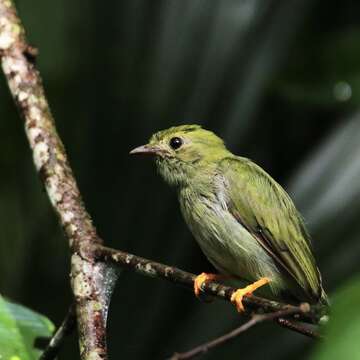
244, 221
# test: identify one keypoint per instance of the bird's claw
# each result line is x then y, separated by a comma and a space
200, 279
236, 299
238, 295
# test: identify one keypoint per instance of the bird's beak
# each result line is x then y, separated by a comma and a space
146, 150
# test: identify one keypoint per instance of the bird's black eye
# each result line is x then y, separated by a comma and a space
175, 142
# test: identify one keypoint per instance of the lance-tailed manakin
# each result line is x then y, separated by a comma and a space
244, 221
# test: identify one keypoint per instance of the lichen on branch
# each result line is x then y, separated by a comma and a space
50, 159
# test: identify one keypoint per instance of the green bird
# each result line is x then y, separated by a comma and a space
244, 221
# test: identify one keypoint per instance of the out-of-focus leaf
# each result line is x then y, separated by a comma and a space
326, 184
19, 327
343, 330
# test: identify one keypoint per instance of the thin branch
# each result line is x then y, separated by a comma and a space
65, 329
17, 60
252, 303
297, 327
255, 319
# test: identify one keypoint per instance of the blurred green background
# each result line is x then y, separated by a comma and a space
279, 80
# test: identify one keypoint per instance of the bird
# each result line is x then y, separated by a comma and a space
243, 220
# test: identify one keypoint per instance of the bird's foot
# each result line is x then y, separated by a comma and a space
203, 277
237, 296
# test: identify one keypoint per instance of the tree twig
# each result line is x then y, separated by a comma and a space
297, 327
51, 163
65, 329
255, 319
309, 314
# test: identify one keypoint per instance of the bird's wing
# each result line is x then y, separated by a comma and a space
266, 210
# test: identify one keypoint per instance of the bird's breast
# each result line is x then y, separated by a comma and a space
226, 243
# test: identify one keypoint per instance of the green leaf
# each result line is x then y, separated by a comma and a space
342, 333
19, 327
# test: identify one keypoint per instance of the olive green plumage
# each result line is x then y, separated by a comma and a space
244, 221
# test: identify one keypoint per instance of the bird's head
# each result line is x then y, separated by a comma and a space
182, 152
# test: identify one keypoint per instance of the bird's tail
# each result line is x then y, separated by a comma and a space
325, 302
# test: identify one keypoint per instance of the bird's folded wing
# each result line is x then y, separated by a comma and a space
265, 209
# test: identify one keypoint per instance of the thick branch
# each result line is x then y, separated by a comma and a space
17, 59
252, 303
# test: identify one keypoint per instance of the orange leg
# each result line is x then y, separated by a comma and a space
200, 279
237, 296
